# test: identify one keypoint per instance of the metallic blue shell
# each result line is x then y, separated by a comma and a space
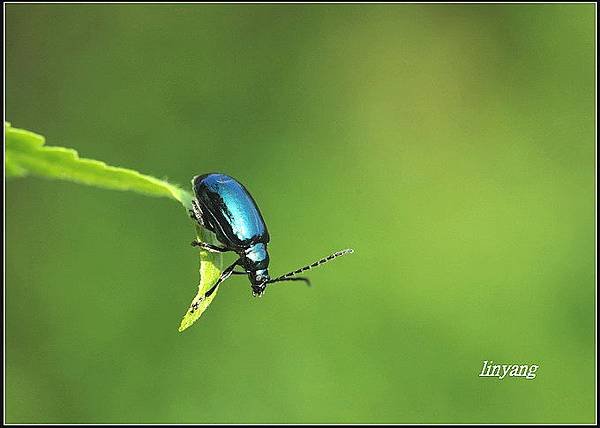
229, 211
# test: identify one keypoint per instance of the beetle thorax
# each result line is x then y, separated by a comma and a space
256, 263
256, 257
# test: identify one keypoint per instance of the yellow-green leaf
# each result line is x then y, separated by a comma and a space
25, 153
211, 265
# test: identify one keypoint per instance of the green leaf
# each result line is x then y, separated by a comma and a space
211, 266
25, 154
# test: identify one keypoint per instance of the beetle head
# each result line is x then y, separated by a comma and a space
259, 279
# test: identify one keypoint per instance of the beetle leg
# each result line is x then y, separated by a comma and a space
224, 275
209, 247
239, 273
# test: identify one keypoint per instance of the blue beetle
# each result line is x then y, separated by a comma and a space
224, 206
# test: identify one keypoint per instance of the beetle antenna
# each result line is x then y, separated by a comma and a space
287, 276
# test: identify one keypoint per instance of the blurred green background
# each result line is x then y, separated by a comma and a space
452, 146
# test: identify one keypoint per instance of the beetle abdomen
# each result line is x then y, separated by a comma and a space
230, 211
